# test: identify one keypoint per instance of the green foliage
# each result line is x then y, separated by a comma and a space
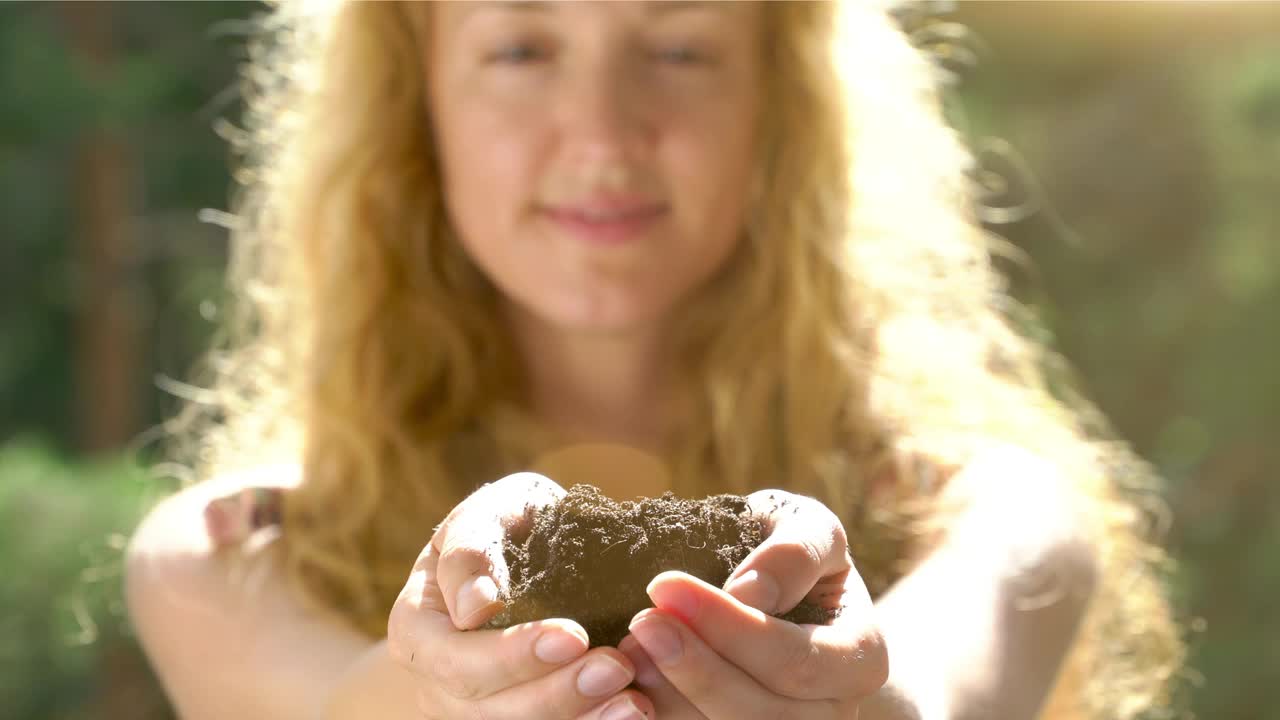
62, 534
53, 101
1155, 249
172, 75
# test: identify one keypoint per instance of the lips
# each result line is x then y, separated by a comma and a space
602, 211
607, 221
603, 216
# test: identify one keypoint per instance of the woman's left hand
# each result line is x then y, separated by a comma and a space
703, 652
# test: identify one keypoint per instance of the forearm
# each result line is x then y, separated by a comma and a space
981, 627
373, 688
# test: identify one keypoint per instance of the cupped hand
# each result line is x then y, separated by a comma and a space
539, 670
704, 652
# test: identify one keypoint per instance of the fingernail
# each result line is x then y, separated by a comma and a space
558, 646
675, 597
757, 590
475, 595
622, 709
602, 675
659, 639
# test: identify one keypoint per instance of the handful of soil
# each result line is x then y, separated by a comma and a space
589, 558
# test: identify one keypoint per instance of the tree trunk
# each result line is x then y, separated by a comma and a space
105, 173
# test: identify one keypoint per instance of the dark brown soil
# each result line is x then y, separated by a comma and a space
589, 558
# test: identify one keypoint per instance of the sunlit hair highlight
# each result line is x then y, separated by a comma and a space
858, 347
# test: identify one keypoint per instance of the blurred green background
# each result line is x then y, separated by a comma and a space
1134, 158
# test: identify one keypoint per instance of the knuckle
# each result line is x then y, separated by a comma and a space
839, 538
813, 552
874, 655
800, 551
515, 652
456, 552
427, 559
818, 509
446, 526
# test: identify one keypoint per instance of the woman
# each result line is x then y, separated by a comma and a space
733, 236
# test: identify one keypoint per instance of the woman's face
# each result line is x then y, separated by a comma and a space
597, 156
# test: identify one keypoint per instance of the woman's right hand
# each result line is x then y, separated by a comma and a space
534, 671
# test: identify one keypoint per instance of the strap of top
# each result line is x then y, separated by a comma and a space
231, 519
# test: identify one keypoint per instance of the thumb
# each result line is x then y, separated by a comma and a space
472, 568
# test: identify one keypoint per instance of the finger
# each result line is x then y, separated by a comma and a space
804, 546
470, 542
717, 688
627, 705
473, 664
668, 702
418, 612
811, 662
581, 687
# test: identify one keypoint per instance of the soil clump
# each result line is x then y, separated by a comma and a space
589, 558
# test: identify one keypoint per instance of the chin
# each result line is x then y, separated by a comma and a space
612, 319
603, 326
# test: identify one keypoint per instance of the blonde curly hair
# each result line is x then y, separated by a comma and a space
858, 342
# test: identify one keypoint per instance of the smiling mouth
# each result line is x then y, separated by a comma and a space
606, 225
607, 209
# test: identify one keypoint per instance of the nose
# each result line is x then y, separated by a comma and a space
603, 115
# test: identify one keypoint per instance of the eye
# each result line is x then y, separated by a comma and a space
515, 55
679, 56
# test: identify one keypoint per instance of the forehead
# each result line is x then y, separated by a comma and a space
454, 13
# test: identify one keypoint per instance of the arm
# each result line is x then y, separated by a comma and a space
223, 649
981, 627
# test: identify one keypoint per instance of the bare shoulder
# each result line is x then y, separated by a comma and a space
220, 626
171, 555
175, 526
1024, 502
1009, 474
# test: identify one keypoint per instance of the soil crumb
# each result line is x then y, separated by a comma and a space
589, 558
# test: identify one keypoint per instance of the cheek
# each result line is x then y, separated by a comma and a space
713, 175
487, 178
